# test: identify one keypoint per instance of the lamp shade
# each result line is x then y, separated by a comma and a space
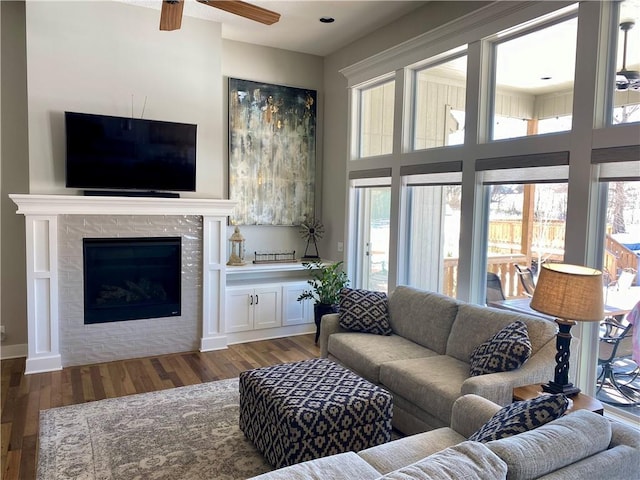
569, 292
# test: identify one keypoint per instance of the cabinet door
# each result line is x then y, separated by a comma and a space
267, 307
239, 309
293, 311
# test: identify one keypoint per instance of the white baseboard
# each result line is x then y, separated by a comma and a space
13, 351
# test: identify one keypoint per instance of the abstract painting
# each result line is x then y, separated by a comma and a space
272, 153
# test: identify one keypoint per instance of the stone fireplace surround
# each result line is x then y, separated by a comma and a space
55, 225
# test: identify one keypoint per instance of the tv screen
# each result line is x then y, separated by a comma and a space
120, 153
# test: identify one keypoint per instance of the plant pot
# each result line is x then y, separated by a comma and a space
320, 309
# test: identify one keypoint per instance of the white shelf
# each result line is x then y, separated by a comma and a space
250, 268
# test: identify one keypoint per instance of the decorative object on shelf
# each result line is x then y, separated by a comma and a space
311, 231
326, 282
288, 257
272, 153
570, 293
236, 247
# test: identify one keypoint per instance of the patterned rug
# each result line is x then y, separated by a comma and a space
182, 433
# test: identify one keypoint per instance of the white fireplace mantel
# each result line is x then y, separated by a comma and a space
41, 222
94, 205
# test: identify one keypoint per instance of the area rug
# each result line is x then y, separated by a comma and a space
183, 433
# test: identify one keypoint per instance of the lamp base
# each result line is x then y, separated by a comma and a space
568, 389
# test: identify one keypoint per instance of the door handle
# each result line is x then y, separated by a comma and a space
257, 299
251, 301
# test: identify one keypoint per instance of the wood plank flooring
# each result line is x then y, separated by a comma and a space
23, 396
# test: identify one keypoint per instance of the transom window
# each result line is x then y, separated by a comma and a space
534, 74
376, 119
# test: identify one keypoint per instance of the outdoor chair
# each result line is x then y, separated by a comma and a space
494, 289
526, 279
618, 371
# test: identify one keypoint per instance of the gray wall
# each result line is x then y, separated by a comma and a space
14, 177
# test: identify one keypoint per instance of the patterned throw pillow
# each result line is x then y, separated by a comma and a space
522, 416
364, 311
506, 350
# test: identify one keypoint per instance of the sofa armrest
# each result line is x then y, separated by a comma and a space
329, 323
470, 412
498, 387
622, 434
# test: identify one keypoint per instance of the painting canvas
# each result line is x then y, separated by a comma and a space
272, 153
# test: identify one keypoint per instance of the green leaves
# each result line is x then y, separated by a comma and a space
326, 282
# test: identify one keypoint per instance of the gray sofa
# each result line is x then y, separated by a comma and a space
580, 445
424, 363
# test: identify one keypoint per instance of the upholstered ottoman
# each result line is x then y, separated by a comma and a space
305, 410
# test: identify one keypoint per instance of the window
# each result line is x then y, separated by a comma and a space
534, 71
439, 104
626, 97
516, 129
371, 217
526, 214
376, 119
620, 227
433, 202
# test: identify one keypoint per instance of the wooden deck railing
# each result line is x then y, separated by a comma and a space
505, 237
502, 265
618, 258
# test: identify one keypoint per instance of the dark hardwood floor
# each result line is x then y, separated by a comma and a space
23, 396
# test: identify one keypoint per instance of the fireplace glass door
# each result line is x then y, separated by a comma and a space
131, 278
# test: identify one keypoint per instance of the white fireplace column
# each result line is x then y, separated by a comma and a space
41, 224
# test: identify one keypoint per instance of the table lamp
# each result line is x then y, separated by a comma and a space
570, 293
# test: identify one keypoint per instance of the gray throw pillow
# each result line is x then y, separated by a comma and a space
506, 350
522, 416
364, 311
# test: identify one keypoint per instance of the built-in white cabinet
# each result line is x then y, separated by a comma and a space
293, 311
261, 301
253, 308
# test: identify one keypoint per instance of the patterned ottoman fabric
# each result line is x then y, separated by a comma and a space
305, 410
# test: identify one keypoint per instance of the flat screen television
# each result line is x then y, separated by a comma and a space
120, 153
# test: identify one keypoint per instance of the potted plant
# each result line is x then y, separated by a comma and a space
326, 282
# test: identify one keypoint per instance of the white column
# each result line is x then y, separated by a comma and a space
213, 283
42, 293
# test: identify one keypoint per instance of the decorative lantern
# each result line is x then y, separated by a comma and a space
236, 247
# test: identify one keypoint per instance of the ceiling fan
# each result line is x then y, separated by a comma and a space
171, 13
627, 79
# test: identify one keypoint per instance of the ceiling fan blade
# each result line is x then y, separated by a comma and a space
171, 14
247, 10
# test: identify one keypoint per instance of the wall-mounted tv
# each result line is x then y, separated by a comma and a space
120, 153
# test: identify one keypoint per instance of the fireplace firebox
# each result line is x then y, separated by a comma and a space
131, 278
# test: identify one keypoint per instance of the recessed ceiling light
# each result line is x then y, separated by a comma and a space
327, 19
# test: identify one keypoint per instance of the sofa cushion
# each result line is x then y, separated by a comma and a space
521, 417
365, 353
364, 311
557, 444
467, 460
399, 453
347, 466
422, 317
506, 350
433, 383
475, 324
